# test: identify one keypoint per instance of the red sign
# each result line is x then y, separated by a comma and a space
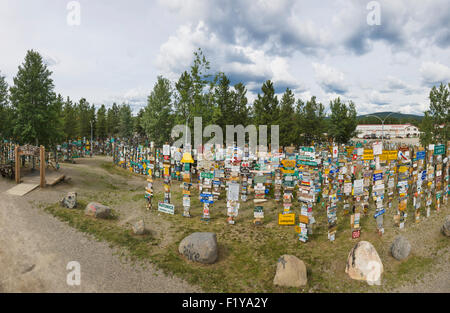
356, 234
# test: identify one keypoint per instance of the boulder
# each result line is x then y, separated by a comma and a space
400, 248
70, 200
291, 272
200, 247
363, 263
446, 226
139, 227
97, 210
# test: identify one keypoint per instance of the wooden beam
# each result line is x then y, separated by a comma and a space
42, 166
17, 164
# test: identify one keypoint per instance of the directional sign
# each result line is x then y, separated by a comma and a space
439, 149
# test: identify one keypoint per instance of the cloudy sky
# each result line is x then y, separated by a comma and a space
322, 48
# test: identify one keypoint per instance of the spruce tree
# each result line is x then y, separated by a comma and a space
31, 98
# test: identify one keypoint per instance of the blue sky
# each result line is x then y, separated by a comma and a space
321, 48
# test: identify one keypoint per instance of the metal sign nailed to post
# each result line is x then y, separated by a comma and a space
166, 208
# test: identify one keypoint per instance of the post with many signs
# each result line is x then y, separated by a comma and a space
186, 161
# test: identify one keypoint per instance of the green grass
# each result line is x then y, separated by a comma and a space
247, 253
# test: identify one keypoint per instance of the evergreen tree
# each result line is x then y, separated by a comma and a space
157, 118
266, 108
137, 123
223, 102
125, 121
101, 122
342, 121
56, 117
239, 104
70, 122
311, 118
112, 120
84, 117
426, 129
5, 110
287, 119
31, 98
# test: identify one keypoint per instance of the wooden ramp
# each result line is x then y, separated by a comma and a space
22, 189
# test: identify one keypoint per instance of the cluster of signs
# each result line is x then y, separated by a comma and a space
352, 177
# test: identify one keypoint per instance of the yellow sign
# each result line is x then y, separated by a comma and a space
303, 219
286, 219
287, 171
368, 154
288, 163
298, 229
388, 155
350, 151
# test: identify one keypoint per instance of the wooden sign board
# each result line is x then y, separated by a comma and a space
166, 208
286, 219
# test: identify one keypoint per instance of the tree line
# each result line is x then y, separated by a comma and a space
31, 112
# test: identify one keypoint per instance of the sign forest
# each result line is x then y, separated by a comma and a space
396, 178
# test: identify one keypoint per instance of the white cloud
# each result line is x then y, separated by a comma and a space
330, 79
434, 73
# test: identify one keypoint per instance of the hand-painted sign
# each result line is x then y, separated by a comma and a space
286, 219
166, 208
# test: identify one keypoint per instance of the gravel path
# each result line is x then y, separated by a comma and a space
35, 249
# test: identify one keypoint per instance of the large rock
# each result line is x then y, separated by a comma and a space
400, 248
97, 210
200, 247
139, 227
291, 272
363, 263
446, 226
70, 200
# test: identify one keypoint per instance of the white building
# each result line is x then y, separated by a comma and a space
393, 130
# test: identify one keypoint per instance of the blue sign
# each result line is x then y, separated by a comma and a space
424, 175
377, 176
420, 155
379, 213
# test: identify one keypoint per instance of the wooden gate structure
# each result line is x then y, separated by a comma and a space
30, 151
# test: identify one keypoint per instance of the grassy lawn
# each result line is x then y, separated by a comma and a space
247, 253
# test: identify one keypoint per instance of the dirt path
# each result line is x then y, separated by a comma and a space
35, 249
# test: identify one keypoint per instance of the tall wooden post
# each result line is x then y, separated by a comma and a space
42, 165
17, 163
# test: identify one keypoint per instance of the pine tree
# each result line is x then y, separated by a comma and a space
31, 98
5, 110
240, 107
112, 120
70, 124
101, 122
266, 107
342, 121
157, 118
125, 121
287, 119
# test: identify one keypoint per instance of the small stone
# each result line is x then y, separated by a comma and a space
363, 263
70, 200
200, 247
446, 226
139, 227
291, 272
97, 210
400, 248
